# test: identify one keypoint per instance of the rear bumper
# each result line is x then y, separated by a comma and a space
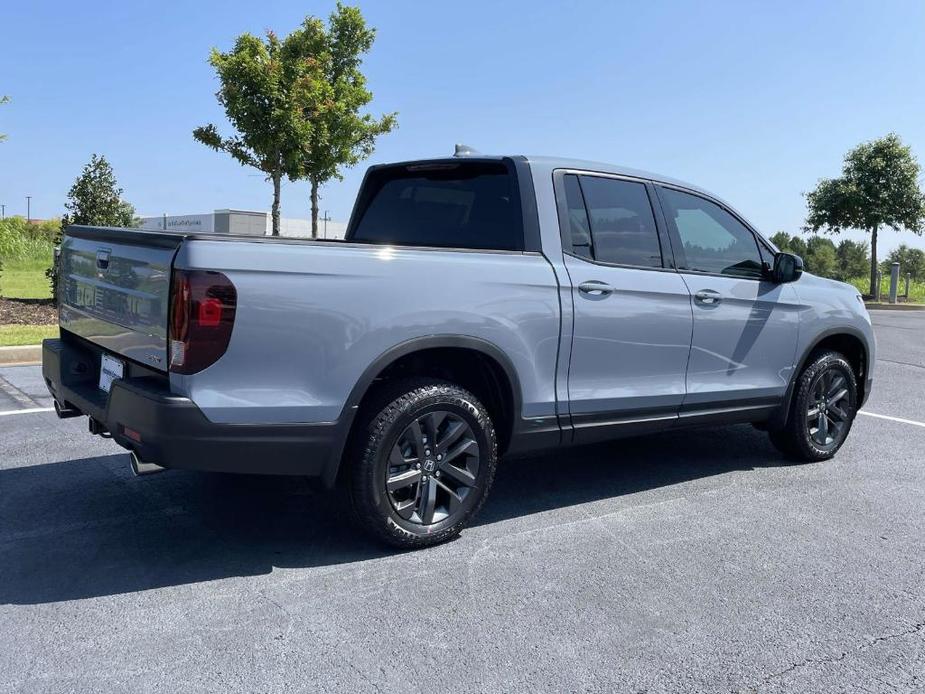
143, 416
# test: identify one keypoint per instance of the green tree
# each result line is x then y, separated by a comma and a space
340, 135
264, 93
95, 199
853, 259
911, 260
782, 240
820, 256
878, 187
790, 244
3, 100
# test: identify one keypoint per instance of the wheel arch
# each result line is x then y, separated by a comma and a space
439, 356
845, 339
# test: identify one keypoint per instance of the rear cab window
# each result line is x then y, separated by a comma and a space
611, 221
455, 204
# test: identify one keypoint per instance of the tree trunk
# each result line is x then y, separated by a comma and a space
314, 208
277, 181
873, 263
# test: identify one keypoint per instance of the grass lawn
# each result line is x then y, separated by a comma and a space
11, 335
20, 280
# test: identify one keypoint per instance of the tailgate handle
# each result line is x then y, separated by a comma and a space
102, 259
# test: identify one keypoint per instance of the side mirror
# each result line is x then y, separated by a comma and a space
787, 268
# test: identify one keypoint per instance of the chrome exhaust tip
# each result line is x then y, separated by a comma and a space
64, 412
139, 467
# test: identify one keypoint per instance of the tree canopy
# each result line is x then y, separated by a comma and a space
261, 93
844, 262
911, 261
294, 102
878, 187
853, 259
340, 135
95, 199
823, 260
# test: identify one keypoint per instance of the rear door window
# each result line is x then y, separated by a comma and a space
622, 225
579, 226
466, 205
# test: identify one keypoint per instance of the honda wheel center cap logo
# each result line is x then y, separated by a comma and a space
429, 465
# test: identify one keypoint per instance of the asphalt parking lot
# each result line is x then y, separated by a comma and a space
694, 561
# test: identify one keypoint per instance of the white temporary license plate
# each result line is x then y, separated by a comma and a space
110, 369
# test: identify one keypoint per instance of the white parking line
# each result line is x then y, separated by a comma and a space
893, 419
27, 411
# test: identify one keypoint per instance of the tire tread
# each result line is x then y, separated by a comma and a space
392, 402
790, 439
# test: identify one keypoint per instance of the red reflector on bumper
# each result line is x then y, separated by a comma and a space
131, 434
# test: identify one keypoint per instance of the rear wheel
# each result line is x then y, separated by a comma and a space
423, 464
821, 412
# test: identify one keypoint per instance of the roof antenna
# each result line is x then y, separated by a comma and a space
465, 151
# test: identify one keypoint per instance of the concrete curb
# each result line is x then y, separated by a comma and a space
21, 356
894, 307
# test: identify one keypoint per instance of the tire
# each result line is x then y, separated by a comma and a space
406, 491
821, 412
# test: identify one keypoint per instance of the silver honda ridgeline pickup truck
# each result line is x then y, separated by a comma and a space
479, 306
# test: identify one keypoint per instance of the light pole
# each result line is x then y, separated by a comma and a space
325, 219
28, 208
2, 211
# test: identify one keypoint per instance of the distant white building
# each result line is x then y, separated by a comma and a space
243, 222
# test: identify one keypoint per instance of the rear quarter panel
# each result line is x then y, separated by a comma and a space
312, 317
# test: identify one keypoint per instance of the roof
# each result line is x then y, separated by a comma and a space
556, 163
551, 163
602, 167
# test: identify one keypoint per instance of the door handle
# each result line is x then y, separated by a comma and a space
595, 288
708, 297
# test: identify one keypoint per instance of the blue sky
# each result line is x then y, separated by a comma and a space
752, 100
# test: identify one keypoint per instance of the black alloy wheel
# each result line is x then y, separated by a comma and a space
422, 462
828, 408
822, 409
432, 468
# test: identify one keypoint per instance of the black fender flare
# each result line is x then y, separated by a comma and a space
393, 354
779, 419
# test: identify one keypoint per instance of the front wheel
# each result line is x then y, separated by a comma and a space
821, 412
423, 464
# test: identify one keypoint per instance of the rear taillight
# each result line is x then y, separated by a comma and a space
202, 308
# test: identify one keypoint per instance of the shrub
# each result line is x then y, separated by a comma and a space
23, 242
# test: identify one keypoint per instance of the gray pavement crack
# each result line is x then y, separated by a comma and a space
901, 363
914, 629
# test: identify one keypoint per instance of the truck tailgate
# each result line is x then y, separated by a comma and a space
115, 290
